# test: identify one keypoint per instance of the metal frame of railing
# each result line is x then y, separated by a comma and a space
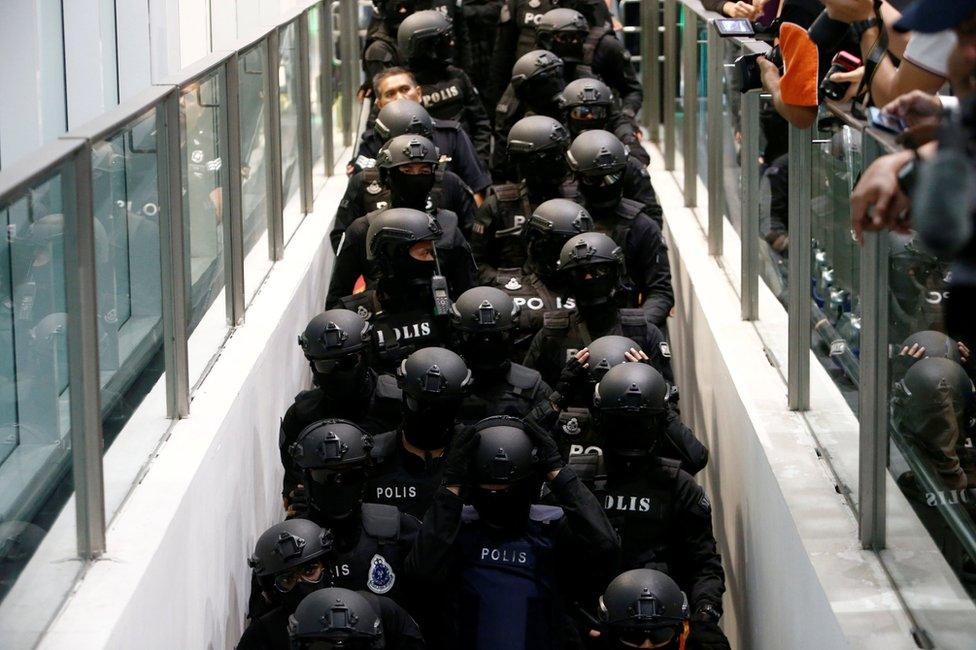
71, 158
680, 75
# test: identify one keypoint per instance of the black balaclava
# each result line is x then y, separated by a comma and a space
410, 190
335, 495
596, 291
543, 172
569, 50
405, 281
429, 424
290, 599
541, 94
485, 352
343, 383
392, 15
603, 193
505, 510
577, 125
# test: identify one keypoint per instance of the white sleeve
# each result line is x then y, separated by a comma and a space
931, 52
949, 102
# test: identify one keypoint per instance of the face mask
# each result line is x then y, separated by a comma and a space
506, 509
569, 50
545, 171
344, 380
586, 118
540, 93
630, 434
596, 290
291, 599
336, 495
429, 425
410, 190
602, 196
486, 351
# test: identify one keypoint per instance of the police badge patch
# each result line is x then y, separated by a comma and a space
535, 3
374, 187
381, 576
665, 349
513, 285
363, 312
196, 156
572, 427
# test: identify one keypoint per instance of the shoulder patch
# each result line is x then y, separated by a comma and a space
374, 188
665, 349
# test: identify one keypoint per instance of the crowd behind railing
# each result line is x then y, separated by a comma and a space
501, 219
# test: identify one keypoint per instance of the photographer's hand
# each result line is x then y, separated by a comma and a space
849, 11
878, 189
853, 78
741, 9
916, 108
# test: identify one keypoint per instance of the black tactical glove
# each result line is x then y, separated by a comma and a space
297, 502
547, 452
457, 466
707, 636
570, 378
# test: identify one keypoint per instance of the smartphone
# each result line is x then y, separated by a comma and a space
842, 62
734, 27
886, 121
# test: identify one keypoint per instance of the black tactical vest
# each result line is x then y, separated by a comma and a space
376, 195
527, 14
375, 563
411, 489
534, 298
514, 395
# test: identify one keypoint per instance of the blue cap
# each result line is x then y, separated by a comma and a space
931, 16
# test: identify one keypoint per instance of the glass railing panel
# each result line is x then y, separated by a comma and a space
732, 135
288, 97
204, 188
679, 100
834, 276
255, 153
932, 456
35, 443
316, 81
125, 200
701, 125
337, 85
773, 202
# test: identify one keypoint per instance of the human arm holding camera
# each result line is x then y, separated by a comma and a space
801, 117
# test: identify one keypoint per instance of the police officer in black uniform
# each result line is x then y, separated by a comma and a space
598, 160
515, 38
593, 268
588, 104
426, 43
410, 459
537, 148
368, 191
506, 569
291, 560
381, 50
336, 344
641, 608
535, 286
536, 84
371, 540
591, 52
404, 116
663, 517
342, 618
635, 181
484, 322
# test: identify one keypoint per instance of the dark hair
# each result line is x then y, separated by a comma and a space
390, 72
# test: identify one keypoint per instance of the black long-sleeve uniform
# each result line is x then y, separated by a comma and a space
448, 94
452, 143
453, 252
606, 57
513, 590
365, 193
515, 36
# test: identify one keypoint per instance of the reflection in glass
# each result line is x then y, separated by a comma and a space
701, 126
834, 278
129, 291
204, 188
255, 104
35, 449
932, 401
337, 89
732, 136
316, 81
288, 100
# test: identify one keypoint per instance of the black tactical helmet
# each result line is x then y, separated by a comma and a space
586, 105
631, 388
597, 153
399, 227
559, 21
406, 149
288, 545
403, 116
339, 616
331, 444
560, 218
921, 388
608, 352
590, 248
505, 452
644, 603
426, 35
936, 344
334, 334
433, 374
536, 63
484, 309
535, 134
